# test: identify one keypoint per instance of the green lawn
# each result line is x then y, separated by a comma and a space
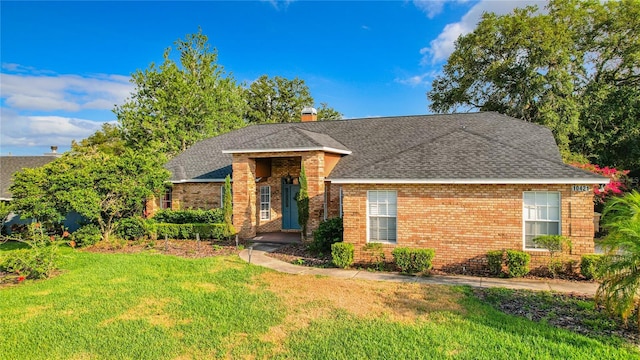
151, 306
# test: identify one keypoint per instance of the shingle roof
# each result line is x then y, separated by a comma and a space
289, 139
10, 165
480, 146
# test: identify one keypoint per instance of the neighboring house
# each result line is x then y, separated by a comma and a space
462, 184
10, 165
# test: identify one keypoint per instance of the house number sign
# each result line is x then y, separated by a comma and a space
578, 188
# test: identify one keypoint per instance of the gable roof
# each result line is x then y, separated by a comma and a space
291, 139
10, 165
484, 147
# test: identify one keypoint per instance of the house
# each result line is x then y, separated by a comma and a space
10, 165
461, 184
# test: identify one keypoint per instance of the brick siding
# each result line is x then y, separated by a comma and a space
463, 222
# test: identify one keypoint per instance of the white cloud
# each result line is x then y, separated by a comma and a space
279, 4
29, 131
31, 90
416, 80
430, 7
441, 47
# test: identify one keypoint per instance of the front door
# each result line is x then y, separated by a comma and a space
290, 207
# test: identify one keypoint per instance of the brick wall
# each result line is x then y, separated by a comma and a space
246, 206
190, 196
463, 222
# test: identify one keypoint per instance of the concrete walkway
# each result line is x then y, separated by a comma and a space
259, 257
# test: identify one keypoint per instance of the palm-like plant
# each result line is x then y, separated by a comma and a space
619, 274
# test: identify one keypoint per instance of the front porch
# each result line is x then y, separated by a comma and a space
277, 237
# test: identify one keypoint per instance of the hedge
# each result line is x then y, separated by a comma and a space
589, 265
495, 259
188, 231
518, 263
189, 216
413, 260
342, 254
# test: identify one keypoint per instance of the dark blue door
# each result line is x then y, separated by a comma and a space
290, 207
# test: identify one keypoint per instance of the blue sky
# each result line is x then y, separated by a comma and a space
66, 64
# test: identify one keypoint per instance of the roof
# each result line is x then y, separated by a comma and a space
483, 147
10, 165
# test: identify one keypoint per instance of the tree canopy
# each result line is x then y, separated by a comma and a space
102, 188
175, 104
574, 68
280, 100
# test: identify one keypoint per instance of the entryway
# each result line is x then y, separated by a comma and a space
290, 206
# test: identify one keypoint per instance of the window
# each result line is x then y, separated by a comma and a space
165, 202
381, 215
541, 215
265, 203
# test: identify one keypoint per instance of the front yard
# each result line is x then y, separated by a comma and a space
147, 305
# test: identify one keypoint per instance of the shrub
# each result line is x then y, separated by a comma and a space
87, 235
554, 244
495, 260
518, 263
189, 231
131, 228
37, 262
328, 232
413, 260
189, 216
589, 265
342, 254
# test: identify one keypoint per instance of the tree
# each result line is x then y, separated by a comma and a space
302, 201
328, 113
108, 140
227, 207
175, 105
560, 69
619, 274
276, 100
100, 187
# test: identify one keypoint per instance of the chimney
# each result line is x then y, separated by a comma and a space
54, 151
309, 114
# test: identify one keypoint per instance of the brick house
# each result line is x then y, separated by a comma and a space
462, 184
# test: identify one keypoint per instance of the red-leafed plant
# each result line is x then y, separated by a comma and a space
618, 181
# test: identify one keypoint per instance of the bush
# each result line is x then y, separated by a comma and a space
189, 231
589, 265
495, 260
131, 228
37, 262
87, 235
342, 254
518, 263
189, 216
329, 232
413, 260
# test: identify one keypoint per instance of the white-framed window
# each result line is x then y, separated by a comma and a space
165, 202
541, 213
340, 201
382, 206
265, 202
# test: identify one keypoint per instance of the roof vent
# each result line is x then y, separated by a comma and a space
309, 114
54, 151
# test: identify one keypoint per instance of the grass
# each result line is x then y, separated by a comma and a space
151, 306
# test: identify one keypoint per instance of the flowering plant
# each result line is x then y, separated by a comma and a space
618, 181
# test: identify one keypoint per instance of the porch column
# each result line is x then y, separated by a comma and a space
244, 195
314, 166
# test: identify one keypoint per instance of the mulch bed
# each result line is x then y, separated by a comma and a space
182, 248
573, 312
299, 254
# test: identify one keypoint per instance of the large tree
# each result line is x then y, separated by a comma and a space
177, 104
101, 187
280, 100
563, 68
